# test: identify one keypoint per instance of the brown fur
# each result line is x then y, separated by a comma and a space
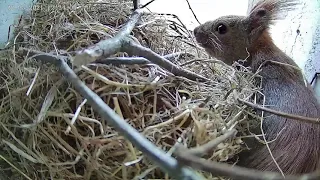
297, 147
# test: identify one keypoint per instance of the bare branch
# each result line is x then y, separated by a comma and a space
43, 57
234, 172
193, 12
107, 47
133, 48
286, 115
163, 160
179, 29
199, 151
143, 6
138, 60
123, 60
122, 42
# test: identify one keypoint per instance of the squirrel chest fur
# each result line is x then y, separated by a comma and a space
294, 145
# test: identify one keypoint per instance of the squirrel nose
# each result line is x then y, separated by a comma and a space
196, 31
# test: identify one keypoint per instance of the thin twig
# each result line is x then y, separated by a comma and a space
179, 29
314, 77
177, 54
123, 61
201, 150
133, 48
136, 60
287, 65
143, 6
193, 12
265, 139
163, 160
202, 60
279, 113
235, 172
185, 27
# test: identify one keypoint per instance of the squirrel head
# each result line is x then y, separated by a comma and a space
230, 38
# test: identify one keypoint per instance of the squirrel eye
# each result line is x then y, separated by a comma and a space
262, 12
221, 28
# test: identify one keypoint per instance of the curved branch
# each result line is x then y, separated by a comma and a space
133, 48
163, 160
108, 47
122, 60
235, 172
279, 113
122, 43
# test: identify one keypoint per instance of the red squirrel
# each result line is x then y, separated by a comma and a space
295, 145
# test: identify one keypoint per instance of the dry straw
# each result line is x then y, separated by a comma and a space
48, 130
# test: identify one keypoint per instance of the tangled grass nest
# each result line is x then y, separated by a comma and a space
49, 132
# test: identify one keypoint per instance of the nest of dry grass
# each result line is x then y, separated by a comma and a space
48, 130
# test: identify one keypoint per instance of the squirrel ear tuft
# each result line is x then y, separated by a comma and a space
258, 19
265, 12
